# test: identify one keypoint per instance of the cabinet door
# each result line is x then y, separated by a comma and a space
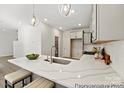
110, 22
66, 44
87, 37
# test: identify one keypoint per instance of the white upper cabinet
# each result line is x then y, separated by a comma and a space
87, 38
108, 22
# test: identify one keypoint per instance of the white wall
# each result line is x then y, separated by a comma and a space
31, 39
38, 39
66, 44
48, 39
6, 42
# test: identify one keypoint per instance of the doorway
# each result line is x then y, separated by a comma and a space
76, 48
56, 46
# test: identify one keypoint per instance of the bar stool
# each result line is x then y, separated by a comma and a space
40, 83
17, 76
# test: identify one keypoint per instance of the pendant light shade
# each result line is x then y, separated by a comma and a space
64, 9
33, 21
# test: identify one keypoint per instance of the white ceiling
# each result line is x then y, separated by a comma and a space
12, 15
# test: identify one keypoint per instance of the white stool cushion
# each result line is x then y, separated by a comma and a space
17, 76
40, 83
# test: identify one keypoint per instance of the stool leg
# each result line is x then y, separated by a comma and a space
23, 84
5, 83
13, 85
30, 78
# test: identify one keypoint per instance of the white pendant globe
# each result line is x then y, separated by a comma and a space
33, 21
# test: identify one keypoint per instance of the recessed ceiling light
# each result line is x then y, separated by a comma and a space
72, 11
45, 19
60, 28
79, 24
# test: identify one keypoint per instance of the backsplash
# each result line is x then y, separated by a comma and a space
116, 51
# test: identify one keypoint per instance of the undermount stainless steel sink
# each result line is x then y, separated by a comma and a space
60, 61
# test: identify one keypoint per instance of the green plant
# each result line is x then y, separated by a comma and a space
32, 56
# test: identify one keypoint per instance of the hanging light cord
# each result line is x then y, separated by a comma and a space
33, 9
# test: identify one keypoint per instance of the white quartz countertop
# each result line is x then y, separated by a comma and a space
66, 75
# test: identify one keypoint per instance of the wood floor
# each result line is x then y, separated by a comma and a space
6, 68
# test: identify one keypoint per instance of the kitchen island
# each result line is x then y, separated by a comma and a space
74, 74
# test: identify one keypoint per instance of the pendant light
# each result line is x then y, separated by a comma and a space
64, 9
33, 21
